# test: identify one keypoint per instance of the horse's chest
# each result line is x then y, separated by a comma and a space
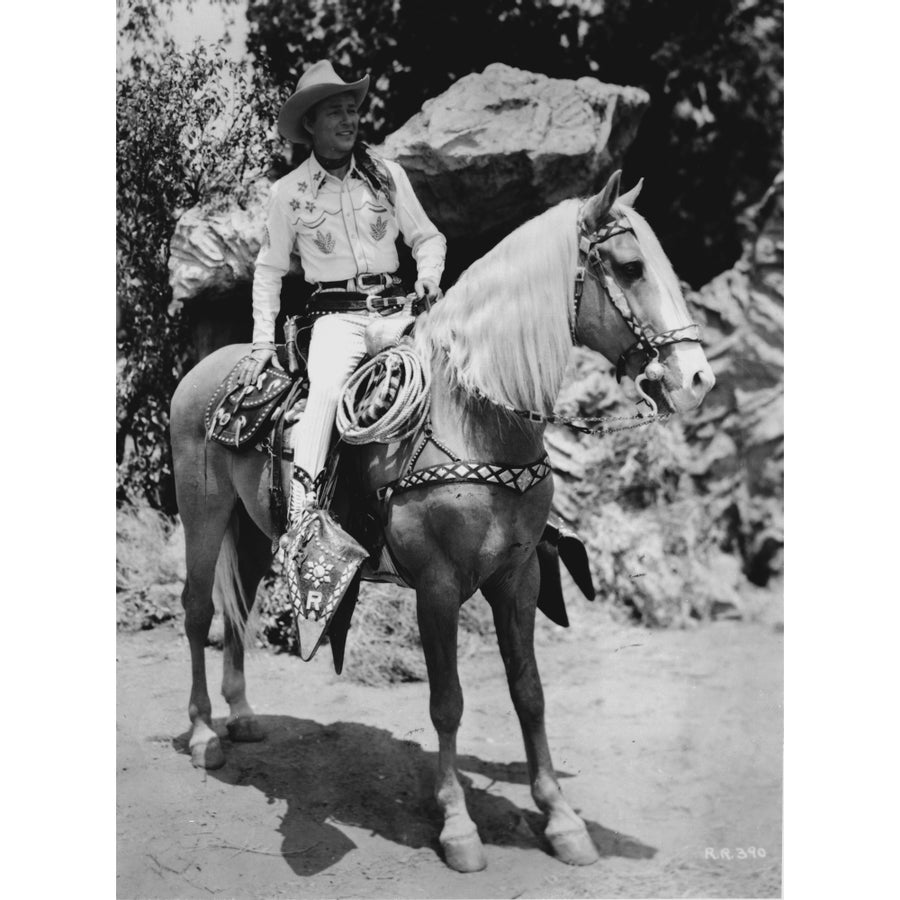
481, 528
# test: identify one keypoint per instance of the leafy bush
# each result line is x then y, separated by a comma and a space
189, 127
149, 567
654, 539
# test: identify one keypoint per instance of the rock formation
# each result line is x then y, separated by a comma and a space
739, 432
214, 248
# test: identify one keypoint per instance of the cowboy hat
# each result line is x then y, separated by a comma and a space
317, 83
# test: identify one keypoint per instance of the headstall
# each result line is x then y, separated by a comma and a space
647, 342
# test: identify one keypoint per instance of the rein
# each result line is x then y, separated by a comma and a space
586, 424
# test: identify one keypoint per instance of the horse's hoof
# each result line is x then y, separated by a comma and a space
208, 755
464, 853
574, 847
245, 730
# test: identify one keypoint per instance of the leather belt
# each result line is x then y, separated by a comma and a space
323, 305
360, 283
362, 293
320, 305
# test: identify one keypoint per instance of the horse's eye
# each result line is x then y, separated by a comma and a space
633, 270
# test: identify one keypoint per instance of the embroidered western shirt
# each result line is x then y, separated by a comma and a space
340, 228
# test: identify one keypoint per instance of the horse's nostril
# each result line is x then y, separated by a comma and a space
704, 380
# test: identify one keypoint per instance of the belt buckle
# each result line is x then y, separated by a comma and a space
370, 298
369, 280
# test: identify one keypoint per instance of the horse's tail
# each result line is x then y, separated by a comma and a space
229, 594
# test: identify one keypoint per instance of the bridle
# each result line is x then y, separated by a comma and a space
646, 341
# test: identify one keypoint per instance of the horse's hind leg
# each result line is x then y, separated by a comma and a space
437, 609
205, 522
254, 556
513, 600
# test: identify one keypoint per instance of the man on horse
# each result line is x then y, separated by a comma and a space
342, 210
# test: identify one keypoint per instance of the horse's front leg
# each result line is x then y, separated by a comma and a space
438, 604
513, 600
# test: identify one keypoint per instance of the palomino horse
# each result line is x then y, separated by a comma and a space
590, 273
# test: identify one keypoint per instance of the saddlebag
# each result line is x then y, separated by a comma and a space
241, 415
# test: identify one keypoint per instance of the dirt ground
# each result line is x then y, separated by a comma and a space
668, 743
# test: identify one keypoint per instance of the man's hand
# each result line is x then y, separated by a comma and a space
425, 287
255, 364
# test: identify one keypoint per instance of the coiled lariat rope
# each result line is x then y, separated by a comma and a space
386, 400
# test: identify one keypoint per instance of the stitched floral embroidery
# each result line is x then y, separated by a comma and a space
302, 186
310, 206
378, 228
325, 242
295, 205
318, 570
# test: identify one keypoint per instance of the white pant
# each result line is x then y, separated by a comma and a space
336, 348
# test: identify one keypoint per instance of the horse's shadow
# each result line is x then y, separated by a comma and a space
363, 776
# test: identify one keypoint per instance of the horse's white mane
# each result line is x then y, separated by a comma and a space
503, 329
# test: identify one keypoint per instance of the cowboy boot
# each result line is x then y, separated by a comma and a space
303, 494
301, 506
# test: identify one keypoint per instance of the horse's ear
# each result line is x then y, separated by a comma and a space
629, 197
597, 210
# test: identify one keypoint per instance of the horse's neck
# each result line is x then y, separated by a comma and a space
484, 433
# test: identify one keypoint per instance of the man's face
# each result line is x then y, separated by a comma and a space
333, 124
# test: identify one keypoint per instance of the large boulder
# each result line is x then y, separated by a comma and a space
499, 147
493, 150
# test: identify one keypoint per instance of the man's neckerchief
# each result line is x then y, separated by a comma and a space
373, 171
330, 164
